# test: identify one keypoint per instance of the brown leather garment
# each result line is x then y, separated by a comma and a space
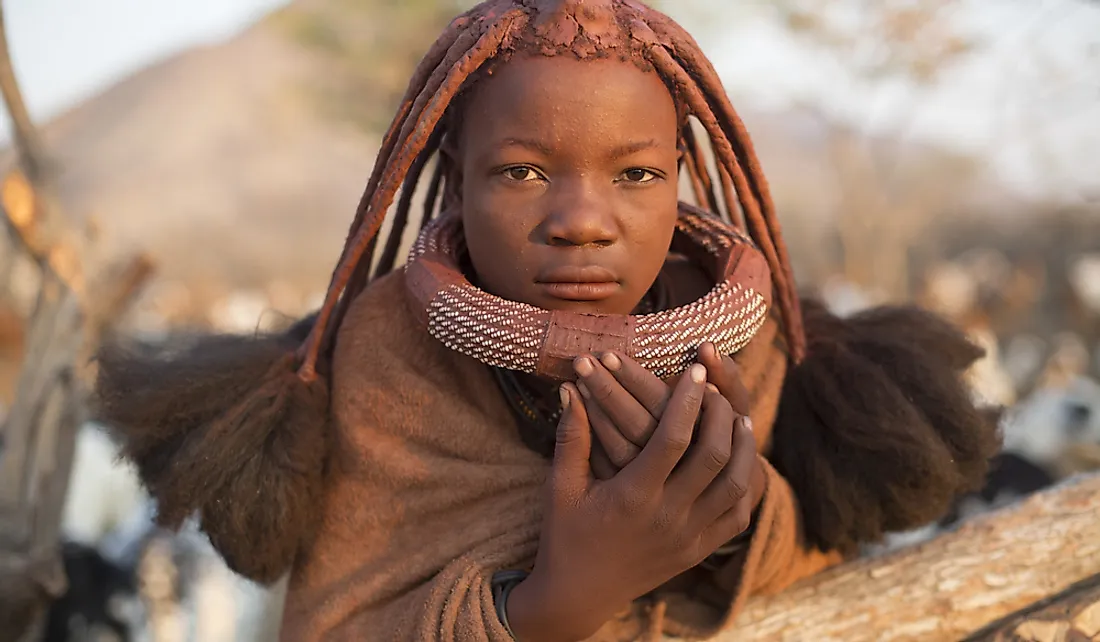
431, 491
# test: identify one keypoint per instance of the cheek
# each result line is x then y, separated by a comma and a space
653, 219
505, 216
497, 236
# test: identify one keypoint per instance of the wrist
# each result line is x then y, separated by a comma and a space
538, 612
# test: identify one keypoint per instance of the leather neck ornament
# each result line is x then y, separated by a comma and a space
516, 336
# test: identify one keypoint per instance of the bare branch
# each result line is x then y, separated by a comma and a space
26, 136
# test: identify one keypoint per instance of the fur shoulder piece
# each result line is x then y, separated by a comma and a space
222, 428
876, 430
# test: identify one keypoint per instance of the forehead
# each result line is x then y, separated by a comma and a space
564, 96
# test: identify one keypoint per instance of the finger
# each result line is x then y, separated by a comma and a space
645, 386
710, 453
602, 467
619, 449
724, 373
617, 403
573, 446
650, 470
732, 487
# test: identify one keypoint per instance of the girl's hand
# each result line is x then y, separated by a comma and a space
624, 402
606, 543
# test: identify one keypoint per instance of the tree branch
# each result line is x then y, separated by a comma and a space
26, 135
38, 435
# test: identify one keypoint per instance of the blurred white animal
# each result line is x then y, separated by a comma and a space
1054, 420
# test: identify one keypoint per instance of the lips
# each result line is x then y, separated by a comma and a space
579, 283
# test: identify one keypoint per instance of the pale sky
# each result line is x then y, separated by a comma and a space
66, 50
1028, 101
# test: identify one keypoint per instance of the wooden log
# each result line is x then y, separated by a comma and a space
1071, 616
950, 587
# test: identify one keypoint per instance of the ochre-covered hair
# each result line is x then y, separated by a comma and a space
218, 424
584, 29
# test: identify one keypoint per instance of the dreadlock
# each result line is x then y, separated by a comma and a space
215, 424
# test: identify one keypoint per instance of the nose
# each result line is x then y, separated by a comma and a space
579, 217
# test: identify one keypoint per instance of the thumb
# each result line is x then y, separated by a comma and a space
573, 447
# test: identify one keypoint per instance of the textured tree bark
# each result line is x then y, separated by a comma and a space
995, 567
1070, 616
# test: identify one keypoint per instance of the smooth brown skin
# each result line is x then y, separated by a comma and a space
569, 164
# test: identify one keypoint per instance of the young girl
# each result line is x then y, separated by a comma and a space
539, 427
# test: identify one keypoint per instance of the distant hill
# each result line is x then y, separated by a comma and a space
215, 162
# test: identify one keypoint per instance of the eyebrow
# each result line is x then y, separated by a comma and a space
632, 148
528, 143
615, 154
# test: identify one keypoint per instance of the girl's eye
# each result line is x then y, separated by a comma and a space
639, 175
521, 173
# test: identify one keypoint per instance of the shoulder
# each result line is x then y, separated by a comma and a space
378, 318
391, 378
381, 341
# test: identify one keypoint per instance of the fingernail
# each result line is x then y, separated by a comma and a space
708, 349
747, 422
611, 361
564, 397
697, 373
583, 390
584, 366
711, 387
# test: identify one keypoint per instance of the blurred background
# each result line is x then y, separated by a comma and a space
937, 151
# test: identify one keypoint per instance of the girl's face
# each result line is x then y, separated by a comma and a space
569, 182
